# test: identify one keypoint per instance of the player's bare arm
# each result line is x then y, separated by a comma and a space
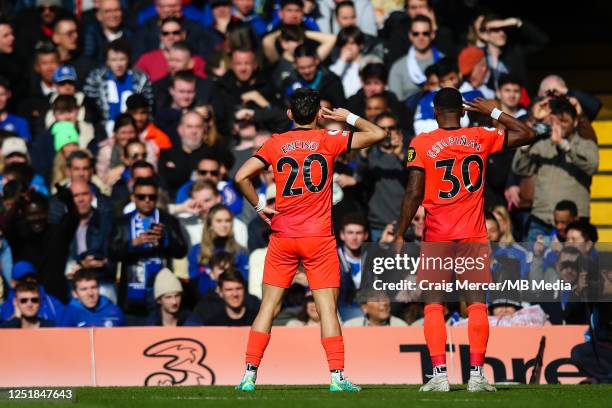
249, 169
519, 133
413, 197
368, 133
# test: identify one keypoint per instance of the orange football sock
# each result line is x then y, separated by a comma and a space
435, 333
478, 332
334, 348
256, 347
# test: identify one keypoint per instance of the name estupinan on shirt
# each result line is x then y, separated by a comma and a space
441, 144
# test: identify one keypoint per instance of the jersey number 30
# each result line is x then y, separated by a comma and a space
289, 190
449, 164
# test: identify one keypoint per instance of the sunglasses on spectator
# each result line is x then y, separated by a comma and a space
138, 156
388, 128
419, 33
167, 33
34, 300
207, 172
144, 197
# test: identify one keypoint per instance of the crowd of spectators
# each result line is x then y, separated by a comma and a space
123, 122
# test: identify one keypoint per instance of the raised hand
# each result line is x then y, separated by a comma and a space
337, 114
480, 105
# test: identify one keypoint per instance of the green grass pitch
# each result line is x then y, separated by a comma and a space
547, 396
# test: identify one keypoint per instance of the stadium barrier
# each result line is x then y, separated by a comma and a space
215, 355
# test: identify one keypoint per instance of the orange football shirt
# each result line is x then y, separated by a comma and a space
454, 161
303, 164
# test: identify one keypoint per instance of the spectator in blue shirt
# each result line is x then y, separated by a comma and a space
89, 308
9, 121
23, 272
27, 301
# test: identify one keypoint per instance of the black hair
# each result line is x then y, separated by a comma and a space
433, 69
445, 66
374, 70
567, 205
588, 230
4, 83
421, 19
38, 199
344, 3
305, 104
561, 105
137, 101
489, 216
79, 155
487, 19
285, 3
292, 32
22, 173
65, 103
141, 164
171, 19
13, 188
505, 79
64, 17
231, 275
27, 286
354, 219
84, 274
186, 75
350, 33
146, 181
304, 50
119, 45
448, 100
122, 120
45, 48
385, 115
221, 257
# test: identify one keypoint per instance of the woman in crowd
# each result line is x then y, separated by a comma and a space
110, 162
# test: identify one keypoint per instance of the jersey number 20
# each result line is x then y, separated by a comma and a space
289, 190
449, 164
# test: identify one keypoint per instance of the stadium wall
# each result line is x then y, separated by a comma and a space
215, 355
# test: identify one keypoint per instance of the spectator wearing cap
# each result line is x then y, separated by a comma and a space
376, 310
23, 272
15, 150
89, 308
507, 54
138, 106
168, 293
111, 85
27, 304
107, 26
8, 121
167, 59
474, 70
65, 82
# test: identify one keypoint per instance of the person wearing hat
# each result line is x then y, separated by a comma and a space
168, 293
475, 71
14, 150
9, 121
22, 272
65, 82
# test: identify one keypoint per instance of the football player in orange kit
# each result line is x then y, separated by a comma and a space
446, 175
302, 161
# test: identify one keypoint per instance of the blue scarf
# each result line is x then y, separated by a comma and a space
141, 274
118, 92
